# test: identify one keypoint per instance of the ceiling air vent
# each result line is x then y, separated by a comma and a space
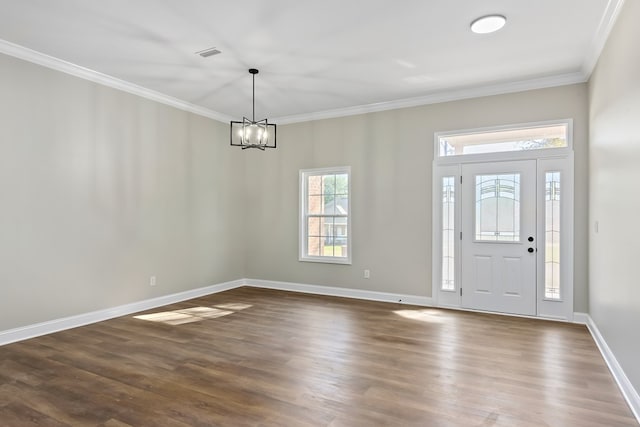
208, 52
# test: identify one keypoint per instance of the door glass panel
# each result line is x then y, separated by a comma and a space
498, 208
448, 230
552, 236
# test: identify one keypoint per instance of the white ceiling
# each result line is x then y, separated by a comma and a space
316, 58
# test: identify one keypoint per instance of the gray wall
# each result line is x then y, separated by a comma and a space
614, 151
391, 157
100, 189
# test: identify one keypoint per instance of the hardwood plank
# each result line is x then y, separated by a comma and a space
18, 414
256, 357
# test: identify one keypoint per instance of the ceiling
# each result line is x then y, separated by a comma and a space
316, 58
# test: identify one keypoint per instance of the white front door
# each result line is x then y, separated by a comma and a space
498, 225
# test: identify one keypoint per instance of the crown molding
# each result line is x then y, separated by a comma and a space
48, 61
611, 13
444, 96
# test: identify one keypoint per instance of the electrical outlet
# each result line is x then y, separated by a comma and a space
152, 281
367, 274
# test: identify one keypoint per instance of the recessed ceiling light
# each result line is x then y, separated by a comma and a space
488, 24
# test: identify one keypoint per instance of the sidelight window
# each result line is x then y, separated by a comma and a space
448, 233
552, 236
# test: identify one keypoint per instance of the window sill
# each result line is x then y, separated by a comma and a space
326, 260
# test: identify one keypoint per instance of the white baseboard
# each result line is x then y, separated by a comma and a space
628, 391
340, 292
56, 325
581, 318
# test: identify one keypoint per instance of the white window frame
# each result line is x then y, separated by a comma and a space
303, 215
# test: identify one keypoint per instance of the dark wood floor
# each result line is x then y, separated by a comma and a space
255, 357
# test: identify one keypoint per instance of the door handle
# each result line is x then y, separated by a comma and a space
530, 250
530, 238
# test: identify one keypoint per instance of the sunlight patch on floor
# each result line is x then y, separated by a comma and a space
424, 315
234, 306
191, 315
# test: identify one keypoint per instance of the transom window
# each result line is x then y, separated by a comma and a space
325, 220
537, 137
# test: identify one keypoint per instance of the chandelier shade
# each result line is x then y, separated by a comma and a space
252, 133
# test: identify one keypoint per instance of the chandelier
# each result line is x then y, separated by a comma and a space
253, 133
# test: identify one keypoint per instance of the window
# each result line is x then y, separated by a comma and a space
448, 233
538, 137
325, 220
552, 236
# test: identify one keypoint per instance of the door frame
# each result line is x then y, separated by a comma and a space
547, 160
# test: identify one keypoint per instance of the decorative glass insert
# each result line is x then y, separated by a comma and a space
498, 208
498, 141
448, 230
552, 236
325, 211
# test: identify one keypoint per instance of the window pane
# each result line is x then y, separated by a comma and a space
314, 183
328, 204
533, 138
340, 247
340, 205
448, 229
315, 205
341, 227
552, 236
314, 246
329, 207
328, 249
342, 184
327, 226
498, 208
340, 237
313, 226
329, 184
